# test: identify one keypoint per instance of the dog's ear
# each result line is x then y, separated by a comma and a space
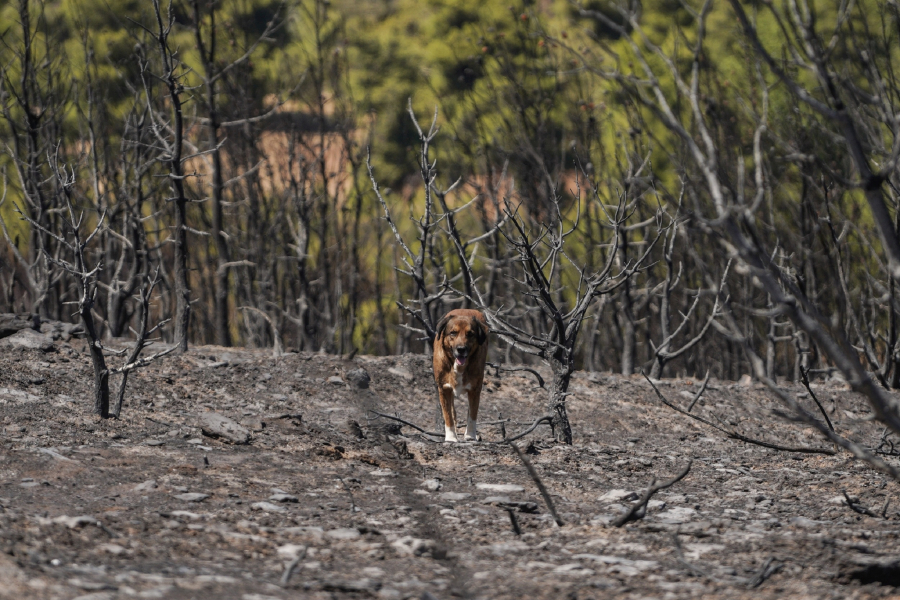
441, 326
480, 331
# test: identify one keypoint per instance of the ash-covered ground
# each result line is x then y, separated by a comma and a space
150, 507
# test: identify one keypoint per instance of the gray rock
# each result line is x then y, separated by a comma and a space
12, 323
154, 443
432, 485
283, 498
192, 497
214, 425
335, 380
402, 373
410, 546
500, 487
146, 486
354, 429
59, 331
505, 502
359, 378
454, 496
344, 533
253, 423
267, 507
28, 338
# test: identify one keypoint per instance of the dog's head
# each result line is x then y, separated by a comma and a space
461, 336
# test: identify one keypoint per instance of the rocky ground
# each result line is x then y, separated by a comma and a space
324, 502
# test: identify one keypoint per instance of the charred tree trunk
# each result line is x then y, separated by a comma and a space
562, 366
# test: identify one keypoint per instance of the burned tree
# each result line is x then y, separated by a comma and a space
546, 271
731, 210
76, 263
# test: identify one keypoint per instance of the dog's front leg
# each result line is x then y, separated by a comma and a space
449, 412
472, 421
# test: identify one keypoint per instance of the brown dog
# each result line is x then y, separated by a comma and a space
460, 351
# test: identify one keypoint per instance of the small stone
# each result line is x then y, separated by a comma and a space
354, 429
291, 551
402, 374
382, 473
359, 378
154, 443
410, 546
113, 549
618, 495
192, 497
804, 522
185, 514
213, 424
253, 423
745, 380
96, 596
335, 380
150, 484
677, 515
344, 533
432, 485
454, 496
500, 487
283, 498
267, 507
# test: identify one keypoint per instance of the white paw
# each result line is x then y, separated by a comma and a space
472, 438
450, 435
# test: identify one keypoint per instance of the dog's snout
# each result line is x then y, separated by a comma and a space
462, 351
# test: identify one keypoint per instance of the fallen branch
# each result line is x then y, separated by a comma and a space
734, 435
859, 508
767, 570
638, 509
532, 427
700, 392
514, 521
538, 421
289, 570
403, 421
539, 483
804, 377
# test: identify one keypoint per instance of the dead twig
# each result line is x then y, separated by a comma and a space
514, 521
353, 508
734, 435
403, 421
769, 568
532, 427
289, 569
539, 483
699, 392
639, 508
514, 369
859, 508
804, 377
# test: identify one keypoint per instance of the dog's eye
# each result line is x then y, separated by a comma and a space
469, 334
452, 334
